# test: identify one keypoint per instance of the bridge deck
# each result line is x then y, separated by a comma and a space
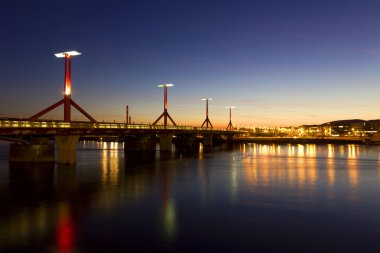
16, 127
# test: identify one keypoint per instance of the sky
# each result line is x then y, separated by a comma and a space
280, 62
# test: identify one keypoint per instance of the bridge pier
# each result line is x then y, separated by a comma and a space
38, 150
187, 143
207, 140
230, 141
139, 149
165, 142
230, 138
139, 143
66, 148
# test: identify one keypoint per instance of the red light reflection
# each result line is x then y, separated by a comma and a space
65, 235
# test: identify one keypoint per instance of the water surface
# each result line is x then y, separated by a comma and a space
248, 198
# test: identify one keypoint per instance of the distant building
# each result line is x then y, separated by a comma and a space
311, 130
352, 127
338, 128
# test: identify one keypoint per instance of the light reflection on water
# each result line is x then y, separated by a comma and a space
275, 192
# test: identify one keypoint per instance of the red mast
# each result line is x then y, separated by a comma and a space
66, 101
229, 126
165, 114
207, 121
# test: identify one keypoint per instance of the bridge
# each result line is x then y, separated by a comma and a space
17, 127
31, 139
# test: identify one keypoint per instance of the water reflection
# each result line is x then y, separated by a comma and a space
353, 173
234, 182
330, 150
331, 164
301, 150
65, 229
166, 196
303, 171
169, 209
110, 162
299, 169
352, 151
29, 212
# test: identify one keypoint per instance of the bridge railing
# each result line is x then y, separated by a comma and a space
5, 123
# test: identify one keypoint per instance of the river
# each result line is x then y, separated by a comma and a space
244, 198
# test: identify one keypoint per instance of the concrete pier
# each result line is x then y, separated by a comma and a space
38, 150
140, 142
139, 149
187, 143
165, 142
230, 138
207, 140
66, 148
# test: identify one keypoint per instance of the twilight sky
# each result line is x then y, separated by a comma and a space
280, 62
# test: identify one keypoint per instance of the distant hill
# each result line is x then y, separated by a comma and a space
345, 122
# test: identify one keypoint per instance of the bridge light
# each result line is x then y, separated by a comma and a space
165, 85
69, 53
67, 90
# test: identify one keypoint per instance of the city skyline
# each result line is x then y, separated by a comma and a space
280, 63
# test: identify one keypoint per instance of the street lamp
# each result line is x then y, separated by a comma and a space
207, 121
67, 55
229, 126
165, 114
66, 101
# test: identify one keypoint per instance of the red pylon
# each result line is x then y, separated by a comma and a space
66, 101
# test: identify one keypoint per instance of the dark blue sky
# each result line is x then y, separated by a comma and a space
280, 62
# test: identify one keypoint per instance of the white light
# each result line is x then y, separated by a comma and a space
70, 53
206, 99
68, 91
165, 84
232, 107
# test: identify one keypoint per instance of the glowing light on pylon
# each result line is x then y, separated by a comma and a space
69, 53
